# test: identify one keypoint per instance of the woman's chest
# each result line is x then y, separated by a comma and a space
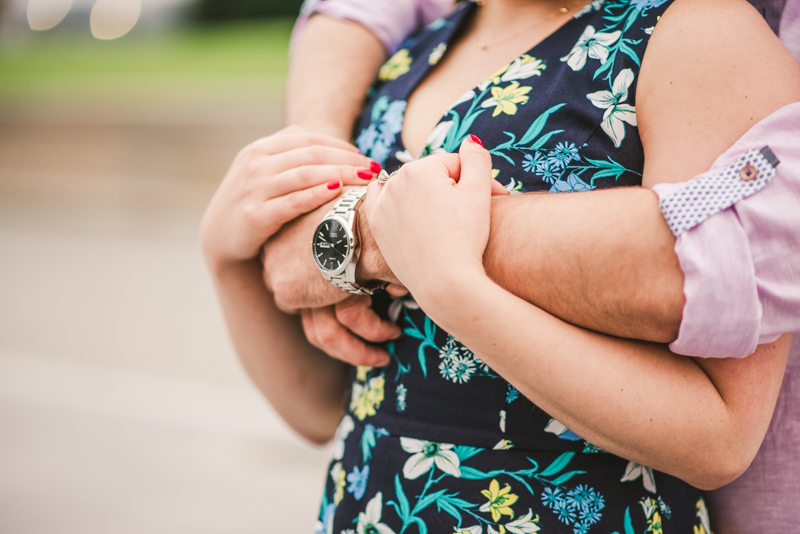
561, 117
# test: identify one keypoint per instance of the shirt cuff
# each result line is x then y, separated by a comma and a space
390, 21
722, 312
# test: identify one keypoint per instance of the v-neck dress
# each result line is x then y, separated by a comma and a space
437, 442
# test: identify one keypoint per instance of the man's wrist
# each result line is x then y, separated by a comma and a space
371, 266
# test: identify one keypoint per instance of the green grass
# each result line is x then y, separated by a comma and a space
43, 62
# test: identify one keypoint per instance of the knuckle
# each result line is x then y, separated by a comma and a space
347, 315
327, 332
294, 201
316, 154
304, 176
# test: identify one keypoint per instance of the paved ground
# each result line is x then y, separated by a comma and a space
122, 408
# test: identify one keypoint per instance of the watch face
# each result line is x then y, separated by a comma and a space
331, 245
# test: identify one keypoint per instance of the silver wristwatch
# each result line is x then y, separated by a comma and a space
335, 244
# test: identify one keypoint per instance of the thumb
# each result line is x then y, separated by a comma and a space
476, 164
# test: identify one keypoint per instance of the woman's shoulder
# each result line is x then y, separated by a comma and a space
712, 69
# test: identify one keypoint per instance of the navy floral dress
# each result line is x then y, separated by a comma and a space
437, 442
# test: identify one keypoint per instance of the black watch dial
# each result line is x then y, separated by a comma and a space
330, 245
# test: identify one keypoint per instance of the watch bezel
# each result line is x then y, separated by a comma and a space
344, 223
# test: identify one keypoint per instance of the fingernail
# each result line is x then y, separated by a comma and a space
365, 174
475, 139
375, 167
334, 184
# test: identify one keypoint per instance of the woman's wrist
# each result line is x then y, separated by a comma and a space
447, 295
371, 264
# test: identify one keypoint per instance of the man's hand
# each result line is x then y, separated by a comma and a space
346, 330
293, 277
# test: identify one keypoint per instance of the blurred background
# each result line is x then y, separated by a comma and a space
122, 406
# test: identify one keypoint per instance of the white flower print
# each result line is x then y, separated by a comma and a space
617, 112
524, 525
702, 515
480, 363
426, 454
469, 530
457, 369
403, 156
437, 137
594, 5
345, 427
369, 522
634, 471
591, 44
503, 445
437, 53
466, 97
450, 349
522, 68
398, 304
401, 397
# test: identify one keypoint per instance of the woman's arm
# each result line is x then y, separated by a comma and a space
271, 182
701, 421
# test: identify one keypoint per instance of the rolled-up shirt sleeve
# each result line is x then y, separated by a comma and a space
741, 264
390, 20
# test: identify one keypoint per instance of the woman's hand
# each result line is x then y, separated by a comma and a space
271, 182
431, 226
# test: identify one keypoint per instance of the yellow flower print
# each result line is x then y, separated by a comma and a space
702, 514
654, 524
361, 373
505, 99
396, 66
338, 475
366, 398
500, 500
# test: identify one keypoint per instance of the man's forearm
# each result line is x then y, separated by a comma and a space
602, 260
323, 95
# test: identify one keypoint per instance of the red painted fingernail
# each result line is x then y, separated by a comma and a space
475, 139
375, 167
334, 184
365, 174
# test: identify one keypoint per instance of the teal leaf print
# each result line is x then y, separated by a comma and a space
607, 168
628, 51
368, 440
423, 528
530, 136
628, 522
538, 125
427, 501
558, 464
427, 340
543, 139
444, 506
464, 452
566, 476
403, 509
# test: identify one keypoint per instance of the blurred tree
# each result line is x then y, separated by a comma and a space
211, 10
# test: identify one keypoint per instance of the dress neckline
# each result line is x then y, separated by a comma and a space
456, 22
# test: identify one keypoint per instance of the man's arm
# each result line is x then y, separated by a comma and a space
332, 67
572, 270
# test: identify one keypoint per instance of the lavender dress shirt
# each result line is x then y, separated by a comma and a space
742, 263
